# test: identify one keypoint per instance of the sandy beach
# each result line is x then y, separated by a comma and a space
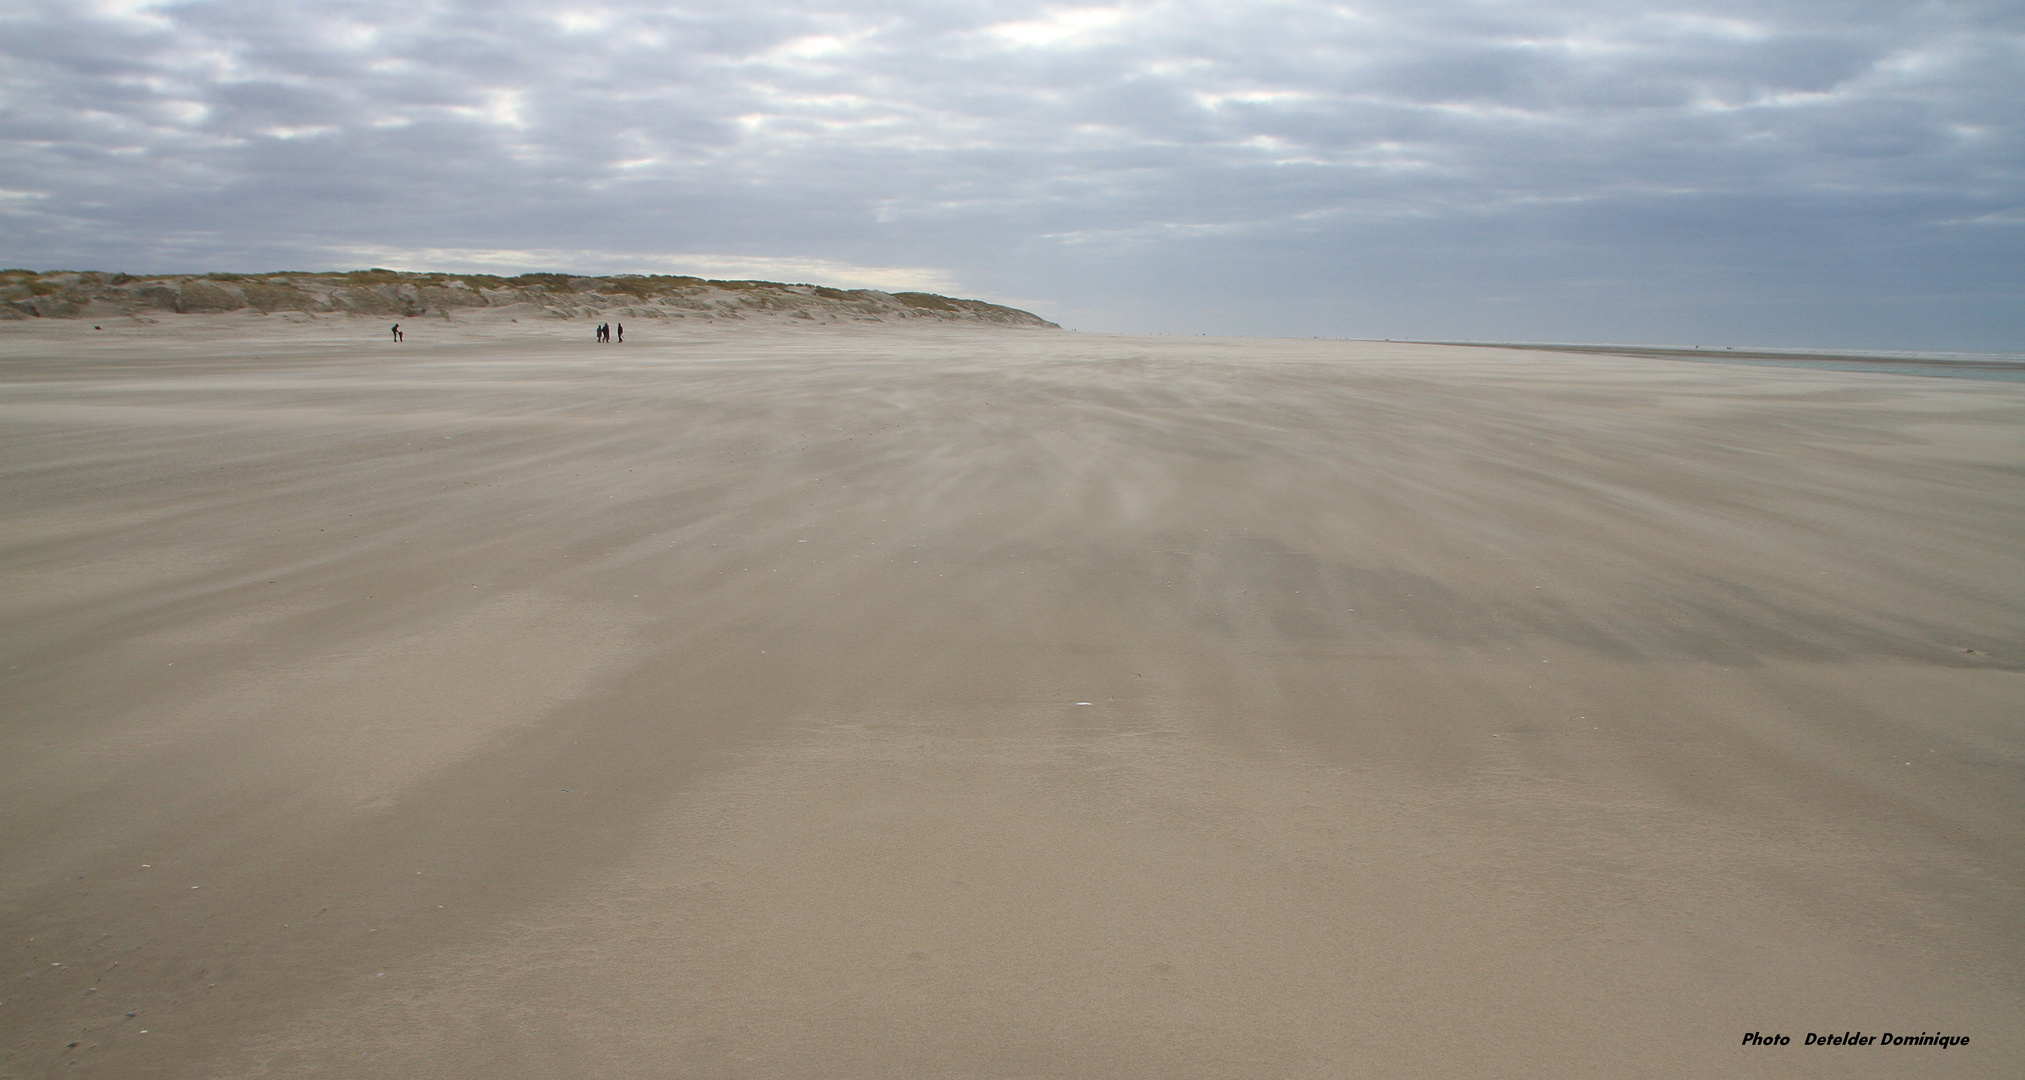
976, 702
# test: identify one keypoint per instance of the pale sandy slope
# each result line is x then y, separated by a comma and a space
502, 705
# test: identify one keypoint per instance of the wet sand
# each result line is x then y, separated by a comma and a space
974, 703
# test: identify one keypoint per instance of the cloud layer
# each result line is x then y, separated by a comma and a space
1769, 172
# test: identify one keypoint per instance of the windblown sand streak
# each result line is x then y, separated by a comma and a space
982, 702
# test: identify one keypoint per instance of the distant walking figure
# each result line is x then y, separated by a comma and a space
622, 333
397, 331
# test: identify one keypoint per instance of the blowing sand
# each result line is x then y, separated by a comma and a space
987, 703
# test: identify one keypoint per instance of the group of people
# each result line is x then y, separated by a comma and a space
604, 332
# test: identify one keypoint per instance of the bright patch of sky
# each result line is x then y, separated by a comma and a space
1773, 172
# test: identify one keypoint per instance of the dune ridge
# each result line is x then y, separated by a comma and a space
26, 294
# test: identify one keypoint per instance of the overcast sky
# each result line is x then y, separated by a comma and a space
1772, 172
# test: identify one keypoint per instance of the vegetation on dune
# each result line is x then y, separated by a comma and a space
925, 300
410, 294
378, 276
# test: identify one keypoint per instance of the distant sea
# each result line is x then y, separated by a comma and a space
2001, 367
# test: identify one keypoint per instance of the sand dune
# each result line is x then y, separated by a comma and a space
25, 294
951, 702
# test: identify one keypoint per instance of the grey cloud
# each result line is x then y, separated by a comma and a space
1085, 158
